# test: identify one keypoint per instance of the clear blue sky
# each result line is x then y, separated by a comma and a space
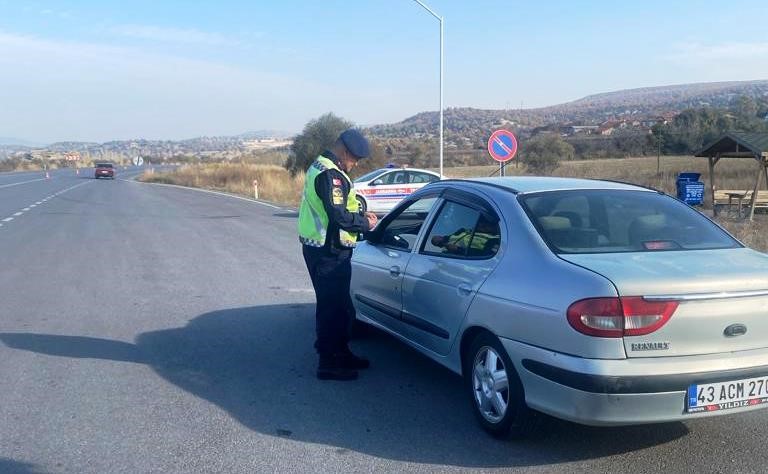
102, 70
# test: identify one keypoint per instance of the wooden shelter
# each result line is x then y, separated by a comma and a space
739, 145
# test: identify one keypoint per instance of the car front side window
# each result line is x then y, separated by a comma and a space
402, 231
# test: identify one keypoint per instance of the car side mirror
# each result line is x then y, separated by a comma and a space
377, 182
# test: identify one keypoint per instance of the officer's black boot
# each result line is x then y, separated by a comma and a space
330, 369
349, 360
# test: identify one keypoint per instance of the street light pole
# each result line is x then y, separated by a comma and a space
440, 19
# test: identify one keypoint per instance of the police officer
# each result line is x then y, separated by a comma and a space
329, 223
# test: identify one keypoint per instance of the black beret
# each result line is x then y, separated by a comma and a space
355, 143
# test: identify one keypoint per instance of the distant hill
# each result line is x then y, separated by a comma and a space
262, 134
7, 141
590, 110
213, 143
222, 146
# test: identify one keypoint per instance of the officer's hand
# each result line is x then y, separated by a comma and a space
372, 219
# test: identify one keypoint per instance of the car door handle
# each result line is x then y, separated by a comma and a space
464, 289
394, 271
392, 254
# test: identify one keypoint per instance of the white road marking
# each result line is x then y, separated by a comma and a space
9, 219
21, 182
206, 191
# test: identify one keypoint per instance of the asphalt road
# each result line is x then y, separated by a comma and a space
146, 328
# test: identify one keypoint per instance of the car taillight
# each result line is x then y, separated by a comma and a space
619, 317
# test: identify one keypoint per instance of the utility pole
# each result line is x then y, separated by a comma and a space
440, 19
658, 154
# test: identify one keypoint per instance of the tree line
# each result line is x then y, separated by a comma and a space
692, 129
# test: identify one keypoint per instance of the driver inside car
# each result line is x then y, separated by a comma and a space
485, 240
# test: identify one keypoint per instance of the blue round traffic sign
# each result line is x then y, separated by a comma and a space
502, 145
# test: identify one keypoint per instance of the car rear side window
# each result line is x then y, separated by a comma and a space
416, 177
462, 232
595, 221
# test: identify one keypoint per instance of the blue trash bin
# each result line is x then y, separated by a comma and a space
689, 189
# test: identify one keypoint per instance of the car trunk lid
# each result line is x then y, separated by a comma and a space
722, 294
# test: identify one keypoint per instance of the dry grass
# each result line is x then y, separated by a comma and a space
277, 185
274, 182
730, 173
752, 234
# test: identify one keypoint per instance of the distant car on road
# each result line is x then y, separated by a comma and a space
380, 190
597, 302
104, 170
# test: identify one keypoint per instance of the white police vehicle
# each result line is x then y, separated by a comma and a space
380, 190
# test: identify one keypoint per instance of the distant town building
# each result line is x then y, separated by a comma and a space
265, 143
582, 129
605, 129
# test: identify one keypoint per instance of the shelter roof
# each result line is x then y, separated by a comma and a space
737, 145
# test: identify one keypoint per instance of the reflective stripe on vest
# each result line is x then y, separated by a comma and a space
313, 220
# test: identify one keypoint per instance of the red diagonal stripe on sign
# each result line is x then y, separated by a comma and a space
502, 145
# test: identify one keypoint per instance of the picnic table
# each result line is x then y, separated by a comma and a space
736, 200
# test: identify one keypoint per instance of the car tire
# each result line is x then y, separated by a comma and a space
362, 204
516, 420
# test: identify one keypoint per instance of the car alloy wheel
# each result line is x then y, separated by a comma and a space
491, 384
497, 395
361, 203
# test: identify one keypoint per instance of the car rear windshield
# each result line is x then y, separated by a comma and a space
603, 221
104, 165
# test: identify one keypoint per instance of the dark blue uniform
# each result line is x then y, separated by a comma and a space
329, 266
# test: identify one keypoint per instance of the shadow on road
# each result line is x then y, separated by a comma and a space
289, 214
9, 466
257, 363
73, 346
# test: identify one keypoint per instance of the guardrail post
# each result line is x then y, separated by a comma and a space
255, 189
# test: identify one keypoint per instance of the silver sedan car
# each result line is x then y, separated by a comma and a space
598, 302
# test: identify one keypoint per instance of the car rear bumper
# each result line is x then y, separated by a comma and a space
625, 392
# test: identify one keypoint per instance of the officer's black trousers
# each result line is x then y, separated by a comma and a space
330, 274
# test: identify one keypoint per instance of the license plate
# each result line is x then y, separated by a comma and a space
727, 395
